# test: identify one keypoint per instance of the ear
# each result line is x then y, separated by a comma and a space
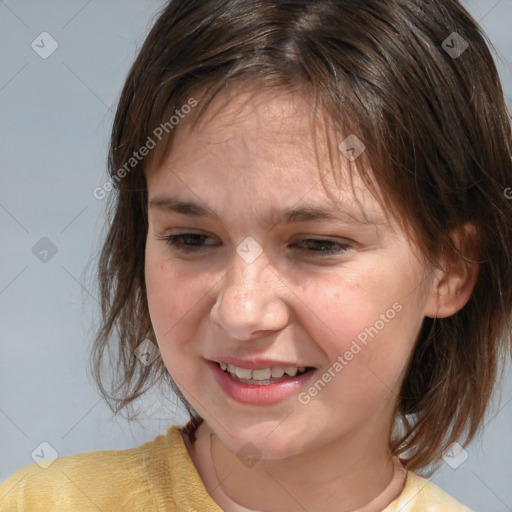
452, 286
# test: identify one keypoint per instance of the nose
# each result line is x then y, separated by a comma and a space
251, 300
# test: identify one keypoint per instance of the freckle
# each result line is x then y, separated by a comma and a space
352, 284
240, 296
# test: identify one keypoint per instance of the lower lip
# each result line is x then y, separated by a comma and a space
259, 394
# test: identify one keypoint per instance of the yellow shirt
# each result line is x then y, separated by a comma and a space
158, 476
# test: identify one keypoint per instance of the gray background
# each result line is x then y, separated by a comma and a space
55, 116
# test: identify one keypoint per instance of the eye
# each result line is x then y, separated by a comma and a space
194, 242
322, 246
185, 242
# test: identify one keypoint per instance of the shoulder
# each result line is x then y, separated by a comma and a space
421, 495
92, 480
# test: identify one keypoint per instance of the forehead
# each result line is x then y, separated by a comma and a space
266, 143
249, 130
266, 111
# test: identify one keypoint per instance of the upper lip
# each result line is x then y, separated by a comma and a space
256, 364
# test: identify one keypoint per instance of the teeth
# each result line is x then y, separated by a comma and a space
263, 374
243, 373
277, 371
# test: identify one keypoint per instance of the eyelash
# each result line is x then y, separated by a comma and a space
176, 243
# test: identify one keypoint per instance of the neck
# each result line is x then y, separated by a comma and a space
343, 475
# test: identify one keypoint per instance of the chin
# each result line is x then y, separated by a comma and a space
261, 442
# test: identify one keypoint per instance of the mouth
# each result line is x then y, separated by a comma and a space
263, 376
266, 382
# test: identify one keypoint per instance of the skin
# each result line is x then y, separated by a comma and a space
254, 155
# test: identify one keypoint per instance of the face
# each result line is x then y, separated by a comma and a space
342, 293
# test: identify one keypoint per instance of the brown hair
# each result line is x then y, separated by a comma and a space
438, 144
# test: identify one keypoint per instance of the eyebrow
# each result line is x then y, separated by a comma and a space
304, 212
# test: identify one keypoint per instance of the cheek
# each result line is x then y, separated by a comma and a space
365, 330
173, 298
344, 305
173, 295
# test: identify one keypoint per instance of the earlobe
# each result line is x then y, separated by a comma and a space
454, 281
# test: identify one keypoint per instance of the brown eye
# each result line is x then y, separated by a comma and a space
322, 246
186, 242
